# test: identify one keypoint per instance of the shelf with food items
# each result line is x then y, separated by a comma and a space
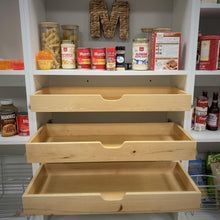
11, 65
14, 125
151, 52
83, 72
14, 140
12, 73
206, 119
205, 171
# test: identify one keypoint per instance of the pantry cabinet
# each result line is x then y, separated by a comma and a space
106, 142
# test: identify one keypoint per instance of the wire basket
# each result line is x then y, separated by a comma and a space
14, 177
210, 192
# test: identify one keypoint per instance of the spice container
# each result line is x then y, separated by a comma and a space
68, 55
71, 32
209, 52
98, 58
120, 58
23, 124
50, 41
84, 58
140, 58
111, 58
8, 118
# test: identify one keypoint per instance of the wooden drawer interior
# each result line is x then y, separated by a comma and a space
105, 187
110, 142
106, 99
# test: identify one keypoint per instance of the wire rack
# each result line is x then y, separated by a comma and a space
210, 192
14, 177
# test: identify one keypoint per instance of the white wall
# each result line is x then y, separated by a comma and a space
10, 31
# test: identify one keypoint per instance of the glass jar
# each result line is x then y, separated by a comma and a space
71, 32
50, 41
68, 55
8, 118
140, 57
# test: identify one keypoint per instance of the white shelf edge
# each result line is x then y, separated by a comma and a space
207, 72
78, 72
210, 6
14, 140
206, 136
12, 73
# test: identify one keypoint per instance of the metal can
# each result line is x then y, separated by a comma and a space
68, 55
23, 124
209, 52
200, 123
84, 58
98, 58
111, 58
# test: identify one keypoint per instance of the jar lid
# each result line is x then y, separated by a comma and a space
6, 102
49, 24
147, 30
69, 27
140, 39
162, 29
120, 48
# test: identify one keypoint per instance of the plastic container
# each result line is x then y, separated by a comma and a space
50, 41
68, 55
71, 32
140, 58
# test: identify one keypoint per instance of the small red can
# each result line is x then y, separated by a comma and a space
209, 52
23, 124
111, 58
84, 58
98, 58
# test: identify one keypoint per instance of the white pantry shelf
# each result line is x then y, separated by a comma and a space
80, 72
206, 136
207, 72
210, 6
14, 140
12, 73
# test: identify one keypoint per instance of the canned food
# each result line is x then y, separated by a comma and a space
200, 122
98, 58
209, 52
84, 58
23, 124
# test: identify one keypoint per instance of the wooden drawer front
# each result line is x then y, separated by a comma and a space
77, 188
110, 99
110, 142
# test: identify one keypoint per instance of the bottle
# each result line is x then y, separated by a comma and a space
68, 55
213, 115
8, 118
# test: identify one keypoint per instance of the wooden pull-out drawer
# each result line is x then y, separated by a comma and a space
110, 142
110, 99
129, 187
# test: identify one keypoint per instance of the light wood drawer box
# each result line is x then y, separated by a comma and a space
120, 187
110, 99
110, 142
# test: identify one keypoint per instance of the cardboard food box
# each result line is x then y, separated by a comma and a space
166, 51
